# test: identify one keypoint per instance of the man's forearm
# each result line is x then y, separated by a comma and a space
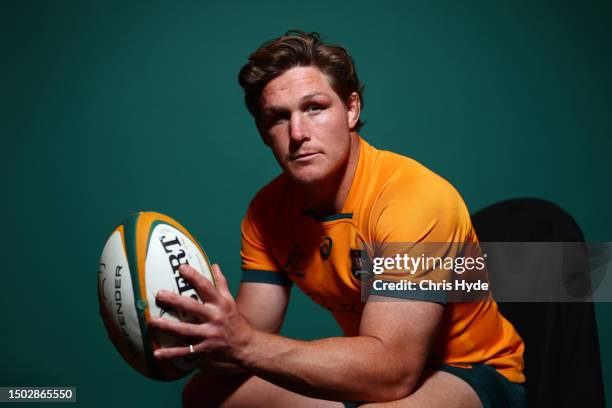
358, 368
382, 364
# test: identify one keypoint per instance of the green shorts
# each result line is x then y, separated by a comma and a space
493, 389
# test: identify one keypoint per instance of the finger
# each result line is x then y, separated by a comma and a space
220, 280
180, 328
183, 303
173, 352
203, 287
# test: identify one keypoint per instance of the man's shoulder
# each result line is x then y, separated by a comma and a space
409, 197
400, 175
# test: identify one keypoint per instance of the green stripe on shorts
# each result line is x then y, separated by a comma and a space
493, 389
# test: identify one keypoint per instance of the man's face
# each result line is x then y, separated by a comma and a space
306, 124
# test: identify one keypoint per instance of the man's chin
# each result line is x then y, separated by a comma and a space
305, 178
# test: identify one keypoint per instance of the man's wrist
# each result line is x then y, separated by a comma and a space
246, 352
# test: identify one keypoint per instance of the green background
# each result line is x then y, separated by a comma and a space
113, 107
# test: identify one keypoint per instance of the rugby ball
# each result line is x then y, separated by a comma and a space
141, 256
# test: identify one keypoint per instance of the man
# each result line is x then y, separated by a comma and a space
335, 195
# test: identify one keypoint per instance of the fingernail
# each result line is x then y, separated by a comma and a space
161, 293
157, 353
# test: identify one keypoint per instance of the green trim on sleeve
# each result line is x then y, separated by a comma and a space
260, 276
435, 296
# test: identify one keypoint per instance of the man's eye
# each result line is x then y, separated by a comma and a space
314, 108
278, 118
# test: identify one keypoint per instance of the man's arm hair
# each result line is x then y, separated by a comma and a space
264, 305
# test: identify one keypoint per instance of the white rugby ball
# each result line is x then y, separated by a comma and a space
140, 257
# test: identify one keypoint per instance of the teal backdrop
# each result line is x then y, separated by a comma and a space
113, 107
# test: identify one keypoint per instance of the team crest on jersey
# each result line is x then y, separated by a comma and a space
294, 261
325, 247
359, 267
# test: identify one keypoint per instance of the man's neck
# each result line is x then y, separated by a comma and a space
328, 197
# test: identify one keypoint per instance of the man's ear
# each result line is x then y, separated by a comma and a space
353, 109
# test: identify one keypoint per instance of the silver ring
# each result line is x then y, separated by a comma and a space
191, 350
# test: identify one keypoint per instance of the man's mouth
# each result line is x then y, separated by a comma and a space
303, 156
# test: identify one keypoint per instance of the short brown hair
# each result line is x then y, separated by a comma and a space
299, 49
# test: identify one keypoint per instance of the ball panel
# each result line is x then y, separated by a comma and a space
151, 217
168, 249
135, 238
116, 299
162, 245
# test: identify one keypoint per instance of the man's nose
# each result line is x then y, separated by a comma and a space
297, 129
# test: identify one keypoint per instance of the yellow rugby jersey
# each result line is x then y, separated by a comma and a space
392, 199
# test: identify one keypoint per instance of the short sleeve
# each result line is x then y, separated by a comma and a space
424, 227
258, 264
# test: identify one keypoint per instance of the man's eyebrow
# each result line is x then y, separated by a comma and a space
271, 110
312, 95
